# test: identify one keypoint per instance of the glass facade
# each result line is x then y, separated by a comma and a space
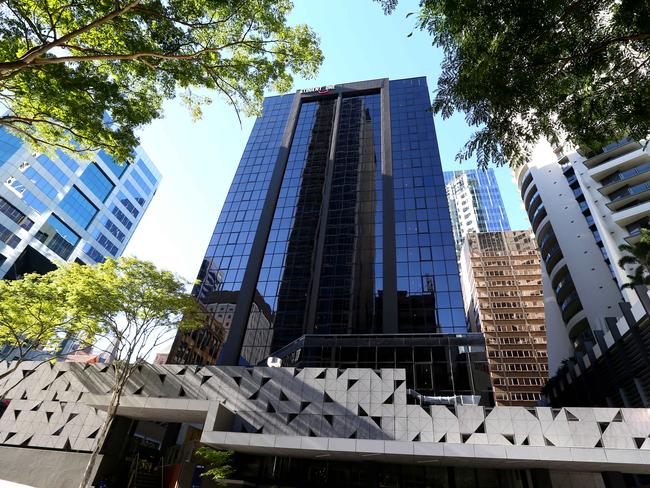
475, 203
227, 254
56, 235
77, 206
97, 182
55, 207
321, 268
428, 283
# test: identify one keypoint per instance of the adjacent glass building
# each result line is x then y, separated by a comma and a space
475, 203
337, 221
55, 208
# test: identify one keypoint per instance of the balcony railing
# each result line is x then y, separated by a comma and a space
629, 191
591, 153
624, 175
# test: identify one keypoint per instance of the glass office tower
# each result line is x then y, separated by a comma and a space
55, 207
337, 222
475, 203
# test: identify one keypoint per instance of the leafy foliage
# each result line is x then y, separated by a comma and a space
218, 463
137, 307
639, 256
36, 313
575, 70
64, 65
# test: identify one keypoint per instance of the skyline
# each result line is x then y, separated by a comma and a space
198, 159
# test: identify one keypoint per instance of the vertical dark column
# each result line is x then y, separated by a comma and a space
310, 316
232, 348
389, 321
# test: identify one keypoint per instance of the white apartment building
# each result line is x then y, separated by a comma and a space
582, 206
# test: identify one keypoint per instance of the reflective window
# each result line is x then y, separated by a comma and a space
113, 229
351, 283
97, 182
136, 176
8, 237
93, 253
227, 254
16, 215
428, 283
34, 202
52, 168
289, 258
116, 168
105, 242
120, 216
39, 180
134, 192
147, 172
77, 206
9, 145
57, 236
67, 160
127, 204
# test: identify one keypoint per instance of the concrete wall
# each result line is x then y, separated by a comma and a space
42, 468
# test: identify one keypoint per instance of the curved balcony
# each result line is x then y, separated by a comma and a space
529, 194
580, 332
564, 287
538, 217
570, 306
575, 325
546, 234
552, 257
520, 173
528, 179
533, 195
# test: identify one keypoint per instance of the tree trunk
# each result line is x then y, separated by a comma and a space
86, 480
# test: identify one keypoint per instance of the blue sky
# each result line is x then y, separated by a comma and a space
198, 159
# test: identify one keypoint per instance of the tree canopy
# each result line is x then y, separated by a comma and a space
575, 70
37, 313
138, 307
65, 65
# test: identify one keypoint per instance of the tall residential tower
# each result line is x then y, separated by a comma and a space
475, 203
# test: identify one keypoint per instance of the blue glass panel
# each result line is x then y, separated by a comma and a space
127, 204
136, 176
8, 237
34, 202
147, 172
9, 144
105, 242
58, 236
93, 253
67, 160
227, 254
425, 287
113, 229
97, 182
120, 216
77, 206
135, 193
117, 169
51, 167
40, 181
